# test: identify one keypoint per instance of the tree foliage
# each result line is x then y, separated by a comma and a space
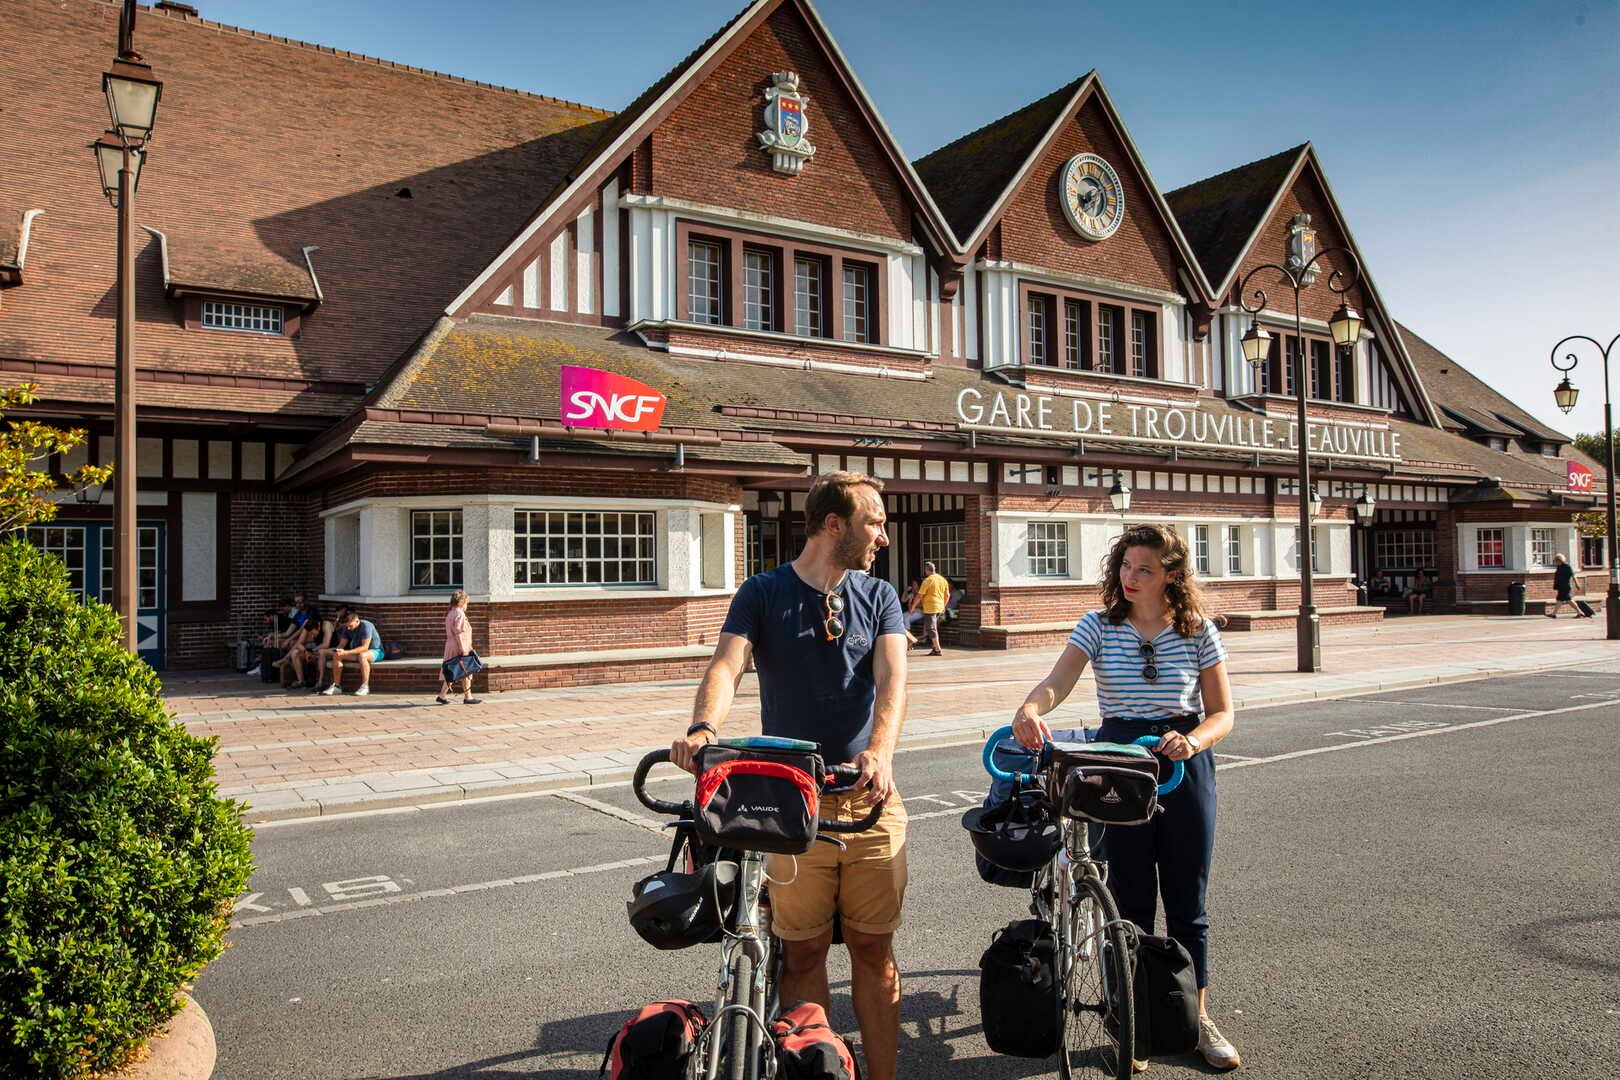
25, 446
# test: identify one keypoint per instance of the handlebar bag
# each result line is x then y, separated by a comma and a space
808, 1049
1111, 786
758, 799
1019, 990
656, 1043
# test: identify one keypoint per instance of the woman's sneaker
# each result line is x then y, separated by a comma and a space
1216, 1049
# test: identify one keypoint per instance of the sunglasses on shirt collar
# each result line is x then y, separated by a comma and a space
832, 626
1150, 670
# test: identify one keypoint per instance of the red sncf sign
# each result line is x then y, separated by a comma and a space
1580, 477
600, 399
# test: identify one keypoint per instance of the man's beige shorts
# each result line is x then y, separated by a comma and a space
865, 882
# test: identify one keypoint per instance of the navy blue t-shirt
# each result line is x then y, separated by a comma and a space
809, 687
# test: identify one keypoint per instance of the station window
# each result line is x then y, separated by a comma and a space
945, 546
1048, 549
759, 290
585, 547
435, 549
1200, 546
857, 302
1234, 549
807, 278
1542, 546
1491, 549
249, 318
703, 278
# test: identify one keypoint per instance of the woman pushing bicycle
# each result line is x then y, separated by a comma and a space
1161, 670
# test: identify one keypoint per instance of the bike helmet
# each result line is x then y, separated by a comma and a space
672, 910
1020, 834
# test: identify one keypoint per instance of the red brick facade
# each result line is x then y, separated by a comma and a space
1317, 301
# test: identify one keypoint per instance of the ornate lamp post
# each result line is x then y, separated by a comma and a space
1565, 394
1345, 326
132, 99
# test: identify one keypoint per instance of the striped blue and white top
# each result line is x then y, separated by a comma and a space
1116, 657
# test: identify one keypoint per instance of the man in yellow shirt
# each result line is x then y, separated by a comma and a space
932, 595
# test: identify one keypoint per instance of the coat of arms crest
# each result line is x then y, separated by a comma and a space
1302, 246
785, 136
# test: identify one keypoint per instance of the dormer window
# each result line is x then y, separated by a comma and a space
248, 318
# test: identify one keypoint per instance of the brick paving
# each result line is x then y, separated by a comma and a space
297, 754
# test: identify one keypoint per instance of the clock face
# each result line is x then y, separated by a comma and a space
1092, 196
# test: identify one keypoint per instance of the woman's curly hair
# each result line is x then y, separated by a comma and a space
1188, 610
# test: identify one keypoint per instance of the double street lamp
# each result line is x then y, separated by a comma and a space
1565, 394
1345, 326
132, 99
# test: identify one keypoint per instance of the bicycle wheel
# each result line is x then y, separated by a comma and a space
741, 1037
1097, 1012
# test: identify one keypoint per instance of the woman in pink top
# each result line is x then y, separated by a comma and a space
457, 643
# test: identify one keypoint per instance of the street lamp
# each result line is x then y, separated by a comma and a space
1316, 503
1366, 507
1119, 496
1345, 326
1565, 394
132, 99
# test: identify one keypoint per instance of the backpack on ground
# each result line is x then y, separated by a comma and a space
807, 1048
1019, 990
1166, 991
656, 1043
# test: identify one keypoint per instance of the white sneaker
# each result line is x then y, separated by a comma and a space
254, 671
363, 691
330, 690
1217, 1049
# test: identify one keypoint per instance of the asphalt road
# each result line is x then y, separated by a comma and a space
1418, 884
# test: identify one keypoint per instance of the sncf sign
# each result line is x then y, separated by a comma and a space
1580, 477
601, 399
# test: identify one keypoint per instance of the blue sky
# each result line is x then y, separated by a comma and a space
1474, 146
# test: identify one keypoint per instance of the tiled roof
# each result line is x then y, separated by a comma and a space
291, 404
1220, 213
1468, 397
408, 182
966, 177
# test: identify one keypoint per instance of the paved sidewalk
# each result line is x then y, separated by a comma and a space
301, 755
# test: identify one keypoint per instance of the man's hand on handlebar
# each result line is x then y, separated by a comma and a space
684, 750
877, 773
1029, 729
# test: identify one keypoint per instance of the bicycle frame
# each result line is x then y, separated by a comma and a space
747, 935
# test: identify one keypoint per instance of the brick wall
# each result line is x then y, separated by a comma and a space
708, 149
1036, 230
1271, 246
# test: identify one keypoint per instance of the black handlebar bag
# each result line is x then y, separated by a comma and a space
1106, 786
757, 798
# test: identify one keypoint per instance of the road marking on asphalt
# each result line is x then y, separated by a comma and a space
1234, 757
1445, 705
628, 816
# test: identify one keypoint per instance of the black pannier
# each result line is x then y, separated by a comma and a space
1110, 783
758, 798
1019, 990
1166, 992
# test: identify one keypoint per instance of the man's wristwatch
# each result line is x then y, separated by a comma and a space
1192, 741
703, 725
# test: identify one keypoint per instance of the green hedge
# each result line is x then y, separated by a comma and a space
118, 861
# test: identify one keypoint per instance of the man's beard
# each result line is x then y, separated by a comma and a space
850, 554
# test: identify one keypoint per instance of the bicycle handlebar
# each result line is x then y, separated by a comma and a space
839, 774
1177, 769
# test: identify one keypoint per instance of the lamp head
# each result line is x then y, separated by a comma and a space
1565, 394
132, 97
1345, 325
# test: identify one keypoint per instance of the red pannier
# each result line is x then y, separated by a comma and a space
656, 1043
808, 1049
757, 799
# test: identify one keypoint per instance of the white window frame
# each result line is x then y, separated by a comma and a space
71, 541
1543, 544
945, 545
1479, 550
242, 318
759, 290
1200, 550
1234, 550
455, 539
1048, 549
809, 316
558, 526
857, 303
709, 306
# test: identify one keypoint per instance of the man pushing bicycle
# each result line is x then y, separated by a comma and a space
830, 649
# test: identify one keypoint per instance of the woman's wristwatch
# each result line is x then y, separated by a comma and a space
1192, 741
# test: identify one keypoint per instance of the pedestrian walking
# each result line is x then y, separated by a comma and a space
461, 663
830, 646
932, 595
1564, 588
1160, 670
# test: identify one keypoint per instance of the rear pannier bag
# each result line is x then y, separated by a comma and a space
1114, 786
1166, 990
1019, 990
656, 1043
757, 799
808, 1049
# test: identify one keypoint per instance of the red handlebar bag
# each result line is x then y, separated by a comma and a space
656, 1043
807, 1049
756, 801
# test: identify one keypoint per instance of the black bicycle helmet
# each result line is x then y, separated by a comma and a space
672, 910
1019, 834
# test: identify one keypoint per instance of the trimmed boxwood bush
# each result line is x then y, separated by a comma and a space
118, 861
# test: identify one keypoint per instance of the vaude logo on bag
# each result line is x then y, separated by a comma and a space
600, 399
1111, 796
746, 809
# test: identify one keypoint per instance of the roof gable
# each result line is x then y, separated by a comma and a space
1220, 214
1469, 398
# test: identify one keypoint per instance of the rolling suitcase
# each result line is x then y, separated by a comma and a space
1584, 608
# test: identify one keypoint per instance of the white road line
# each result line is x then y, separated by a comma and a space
1444, 705
1235, 757
612, 811
404, 898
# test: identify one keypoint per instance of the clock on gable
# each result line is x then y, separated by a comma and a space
1092, 196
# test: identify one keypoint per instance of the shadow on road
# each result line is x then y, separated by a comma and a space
1545, 939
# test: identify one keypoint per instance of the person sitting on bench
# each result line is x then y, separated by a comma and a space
360, 642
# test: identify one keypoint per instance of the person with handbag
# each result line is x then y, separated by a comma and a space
1160, 669
461, 663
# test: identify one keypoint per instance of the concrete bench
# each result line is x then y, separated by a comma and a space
1284, 618
527, 671
1532, 606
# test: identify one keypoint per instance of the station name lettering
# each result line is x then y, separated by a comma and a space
1169, 424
